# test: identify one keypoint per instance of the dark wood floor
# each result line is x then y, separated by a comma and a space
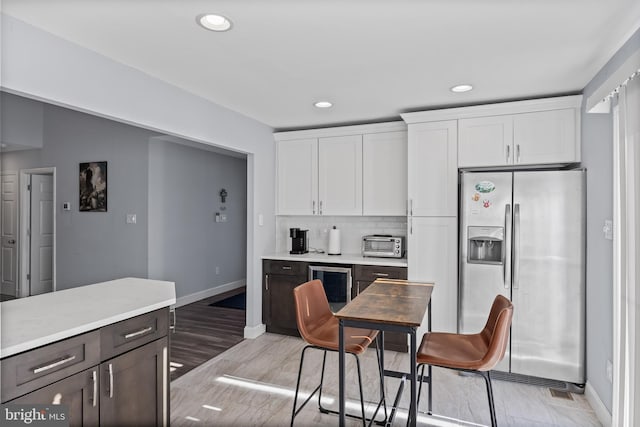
202, 332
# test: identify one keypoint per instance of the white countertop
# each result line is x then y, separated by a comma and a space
31, 322
338, 259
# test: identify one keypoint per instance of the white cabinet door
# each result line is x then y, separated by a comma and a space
432, 255
297, 179
485, 141
340, 175
433, 168
545, 137
384, 174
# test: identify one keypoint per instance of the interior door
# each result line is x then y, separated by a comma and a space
9, 231
41, 233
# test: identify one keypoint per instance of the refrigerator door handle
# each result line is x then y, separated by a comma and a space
507, 249
516, 245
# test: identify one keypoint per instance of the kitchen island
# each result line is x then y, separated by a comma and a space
101, 349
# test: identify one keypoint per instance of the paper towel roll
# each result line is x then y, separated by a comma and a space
334, 241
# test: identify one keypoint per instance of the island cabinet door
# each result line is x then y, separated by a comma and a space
79, 393
134, 387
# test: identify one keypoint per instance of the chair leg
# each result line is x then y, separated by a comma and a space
421, 375
430, 401
295, 398
383, 396
487, 378
320, 407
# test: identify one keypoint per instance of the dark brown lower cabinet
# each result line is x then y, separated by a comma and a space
117, 375
279, 280
363, 276
133, 391
78, 392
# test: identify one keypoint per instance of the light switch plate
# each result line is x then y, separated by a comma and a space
608, 229
131, 218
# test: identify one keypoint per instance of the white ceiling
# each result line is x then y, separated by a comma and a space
372, 58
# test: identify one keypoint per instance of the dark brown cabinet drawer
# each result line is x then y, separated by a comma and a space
36, 368
123, 336
373, 272
288, 268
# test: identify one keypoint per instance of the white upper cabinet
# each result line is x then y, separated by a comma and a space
524, 133
340, 175
384, 174
485, 141
545, 137
297, 177
321, 171
432, 169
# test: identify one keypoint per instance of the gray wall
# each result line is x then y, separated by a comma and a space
597, 157
93, 246
185, 243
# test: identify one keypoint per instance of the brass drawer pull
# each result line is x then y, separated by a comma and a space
138, 333
53, 365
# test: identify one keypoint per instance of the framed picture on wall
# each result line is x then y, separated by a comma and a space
93, 187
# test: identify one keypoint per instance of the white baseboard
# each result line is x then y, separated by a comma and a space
596, 404
252, 332
191, 298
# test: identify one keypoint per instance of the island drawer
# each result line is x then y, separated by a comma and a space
123, 336
39, 367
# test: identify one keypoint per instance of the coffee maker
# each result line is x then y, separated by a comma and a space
298, 241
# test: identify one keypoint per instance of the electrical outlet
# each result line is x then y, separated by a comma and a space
608, 229
610, 371
217, 270
131, 218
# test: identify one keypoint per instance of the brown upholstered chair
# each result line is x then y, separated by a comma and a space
477, 353
319, 328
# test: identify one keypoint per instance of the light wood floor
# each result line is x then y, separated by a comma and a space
252, 384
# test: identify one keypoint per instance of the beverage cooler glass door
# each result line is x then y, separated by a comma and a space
336, 282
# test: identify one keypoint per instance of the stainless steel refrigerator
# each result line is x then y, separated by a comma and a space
522, 235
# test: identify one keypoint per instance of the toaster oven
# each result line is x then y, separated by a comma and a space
382, 245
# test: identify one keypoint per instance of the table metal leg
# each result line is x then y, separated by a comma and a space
412, 416
341, 374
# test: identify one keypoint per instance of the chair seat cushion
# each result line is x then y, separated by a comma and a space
453, 351
356, 340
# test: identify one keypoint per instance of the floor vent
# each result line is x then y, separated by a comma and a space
560, 394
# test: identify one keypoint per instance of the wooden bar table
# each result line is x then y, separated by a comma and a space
387, 305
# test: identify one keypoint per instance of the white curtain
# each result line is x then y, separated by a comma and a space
626, 253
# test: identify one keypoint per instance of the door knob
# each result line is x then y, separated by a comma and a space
11, 242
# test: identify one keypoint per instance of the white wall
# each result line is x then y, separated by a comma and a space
597, 155
40, 65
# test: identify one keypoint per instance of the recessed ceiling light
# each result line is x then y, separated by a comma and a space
214, 22
323, 104
461, 88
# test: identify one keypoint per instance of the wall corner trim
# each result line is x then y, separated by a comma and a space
596, 404
253, 332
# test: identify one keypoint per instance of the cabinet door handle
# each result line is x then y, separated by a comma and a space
138, 333
266, 282
518, 153
381, 274
410, 207
286, 267
52, 365
110, 381
410, 225
94, 377
320, 207
507, 156
313, 209
173, 325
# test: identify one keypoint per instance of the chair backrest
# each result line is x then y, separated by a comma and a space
312, 308
496, 332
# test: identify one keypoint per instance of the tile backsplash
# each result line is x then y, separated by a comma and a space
351, 230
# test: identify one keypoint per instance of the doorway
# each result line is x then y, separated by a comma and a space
9, 235
37, 232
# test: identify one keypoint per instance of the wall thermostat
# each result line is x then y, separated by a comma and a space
66, 206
